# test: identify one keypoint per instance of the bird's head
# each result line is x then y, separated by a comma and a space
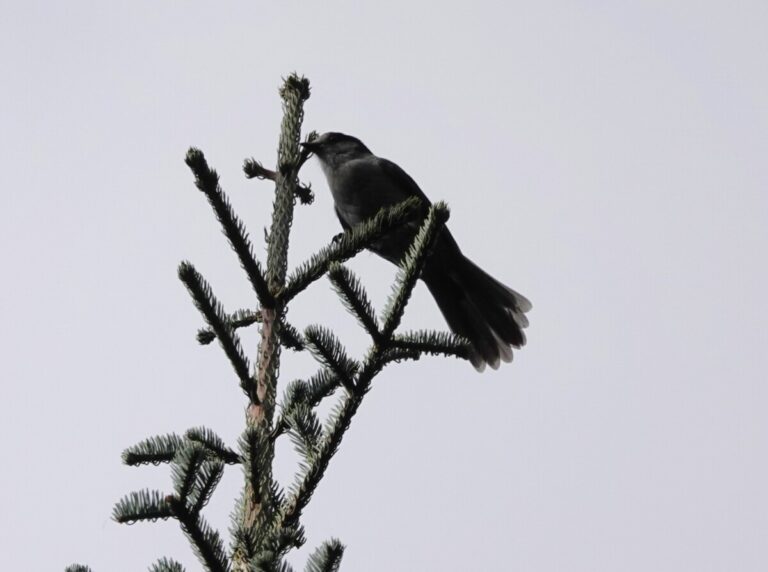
335, 148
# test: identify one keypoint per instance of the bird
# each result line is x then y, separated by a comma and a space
476, 306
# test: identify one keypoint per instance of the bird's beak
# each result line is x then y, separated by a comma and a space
309, 146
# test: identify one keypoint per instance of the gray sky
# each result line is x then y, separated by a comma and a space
607, 159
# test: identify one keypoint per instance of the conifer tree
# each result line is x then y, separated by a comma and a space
266, 520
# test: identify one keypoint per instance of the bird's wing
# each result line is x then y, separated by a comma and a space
344, 223
363, 186
401, 184
403, 180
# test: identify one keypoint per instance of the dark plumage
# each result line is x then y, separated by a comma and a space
475, 305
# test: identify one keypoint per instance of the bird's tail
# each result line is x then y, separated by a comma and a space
481, 309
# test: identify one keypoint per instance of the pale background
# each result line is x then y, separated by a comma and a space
607, 159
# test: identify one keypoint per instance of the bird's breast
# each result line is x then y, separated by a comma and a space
353, 186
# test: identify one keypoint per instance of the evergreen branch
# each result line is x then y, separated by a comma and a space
305, 393
207, 180
291, 536
154, 450
290, 337
185, 468
328, 350
349, 244
238, 319
142, 505
253, 169
166, 565
305, 194
277, 545
208, 478
214, 314
320, 386
355, 298
255, 450
252, 452
302, 490
326, 558
397, 355
338, 423
77, 568
256, 512
336, 427
305, 431
312, 391
206, 541
269, 563
294, 92
276, 498
434, 343
213, 443
411, 267
244, 541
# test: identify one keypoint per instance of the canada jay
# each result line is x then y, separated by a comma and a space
475, 305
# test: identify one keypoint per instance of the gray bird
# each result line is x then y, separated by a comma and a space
475, 305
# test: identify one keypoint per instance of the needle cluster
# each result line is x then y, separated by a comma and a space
266, 520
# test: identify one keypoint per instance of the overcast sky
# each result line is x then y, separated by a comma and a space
606, 159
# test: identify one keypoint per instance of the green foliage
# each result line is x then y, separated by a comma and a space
214, 314
142, 505
154, 450
208, 477
328, 349
213, 443
236, 320
410, 268
395, 355
166, 565
186, 465
253, 169
434, 343
320, 386
327, 557
355, 298
244, 539
206, 542
309, 393
207, 180
294, 92
254, 451
305, 431
196, 472
266, 521
312, 391
289, 336
349, 244
313, 471
270, 564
